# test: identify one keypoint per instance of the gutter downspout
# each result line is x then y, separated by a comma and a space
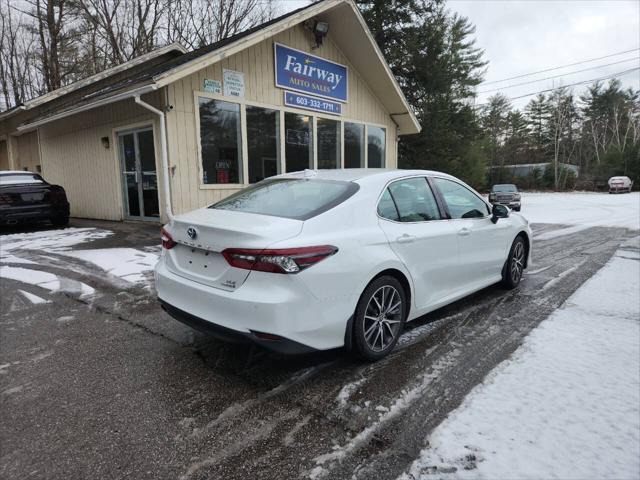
163, 153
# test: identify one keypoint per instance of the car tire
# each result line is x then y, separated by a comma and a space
379, 318
60, 221
513, 269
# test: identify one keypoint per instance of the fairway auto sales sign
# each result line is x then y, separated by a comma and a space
300, 71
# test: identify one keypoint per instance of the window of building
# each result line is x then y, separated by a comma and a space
298, 141
376, 144
220, 141
353, 145
461, 201
263, 142
414, 200
328, 143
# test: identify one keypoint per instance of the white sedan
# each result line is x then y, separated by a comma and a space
322, 259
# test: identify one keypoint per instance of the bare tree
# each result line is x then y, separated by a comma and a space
18, 78
45, 44
124, 29
562, 112
201, 22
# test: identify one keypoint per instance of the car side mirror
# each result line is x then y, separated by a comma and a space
498, 211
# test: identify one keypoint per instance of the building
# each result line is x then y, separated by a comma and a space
172, 131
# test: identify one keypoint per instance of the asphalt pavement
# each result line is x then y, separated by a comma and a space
109, 386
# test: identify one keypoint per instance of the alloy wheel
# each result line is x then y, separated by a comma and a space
382, 318
517, 262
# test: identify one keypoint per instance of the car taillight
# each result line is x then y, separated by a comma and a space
281, 260
5, 199
57, 196
167, 241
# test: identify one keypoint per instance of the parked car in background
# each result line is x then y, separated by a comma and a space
26, 196
324, 259
506, 194
620, 185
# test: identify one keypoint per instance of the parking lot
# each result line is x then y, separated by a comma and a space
96, 381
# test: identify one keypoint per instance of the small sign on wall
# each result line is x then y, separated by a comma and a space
233, 83
212, 86
292, 99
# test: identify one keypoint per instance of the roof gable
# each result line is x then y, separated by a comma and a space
347, 27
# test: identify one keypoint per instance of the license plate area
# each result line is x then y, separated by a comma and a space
202, 263
32, 197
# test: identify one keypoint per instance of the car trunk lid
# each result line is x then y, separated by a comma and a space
23, 195
202, 236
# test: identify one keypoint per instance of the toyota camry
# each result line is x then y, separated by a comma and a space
322, 259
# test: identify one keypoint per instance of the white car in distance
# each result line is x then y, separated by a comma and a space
322, 259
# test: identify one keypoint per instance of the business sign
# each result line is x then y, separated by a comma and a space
212, 86
302, 72
292, 99
233, 83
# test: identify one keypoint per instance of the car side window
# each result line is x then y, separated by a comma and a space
413, 200
386, 207
462, 202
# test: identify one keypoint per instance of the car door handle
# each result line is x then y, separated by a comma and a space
406, 238
464, 232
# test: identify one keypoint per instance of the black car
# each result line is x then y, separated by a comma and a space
26, 196
506, 194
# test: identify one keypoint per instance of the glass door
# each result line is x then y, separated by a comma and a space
139, 176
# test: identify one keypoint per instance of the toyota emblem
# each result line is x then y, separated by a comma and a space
192, 232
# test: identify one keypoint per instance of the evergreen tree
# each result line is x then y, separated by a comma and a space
432, 54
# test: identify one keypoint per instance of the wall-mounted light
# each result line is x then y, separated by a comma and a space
320, 30
105, 142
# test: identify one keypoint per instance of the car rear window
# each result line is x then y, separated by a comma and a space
298, 199
20, 178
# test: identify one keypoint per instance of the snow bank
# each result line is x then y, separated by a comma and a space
566, 405
582, 208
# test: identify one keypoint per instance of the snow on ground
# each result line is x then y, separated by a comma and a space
33, 298
127, 263
46, 280
52, 240
566, 405
583, 208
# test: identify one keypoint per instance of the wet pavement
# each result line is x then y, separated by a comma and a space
108, 386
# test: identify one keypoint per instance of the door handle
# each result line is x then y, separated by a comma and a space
406, 238
464, 232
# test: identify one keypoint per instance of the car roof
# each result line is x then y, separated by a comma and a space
16, 172
357, 174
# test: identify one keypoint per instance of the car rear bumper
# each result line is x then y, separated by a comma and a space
270, 342
18, 213
276, 311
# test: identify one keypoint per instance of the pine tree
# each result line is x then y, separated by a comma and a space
432, 54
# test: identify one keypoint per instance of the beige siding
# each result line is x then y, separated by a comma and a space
257, 64
4, 156
28, 152
74, 157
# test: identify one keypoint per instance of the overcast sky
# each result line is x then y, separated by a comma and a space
525, 36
